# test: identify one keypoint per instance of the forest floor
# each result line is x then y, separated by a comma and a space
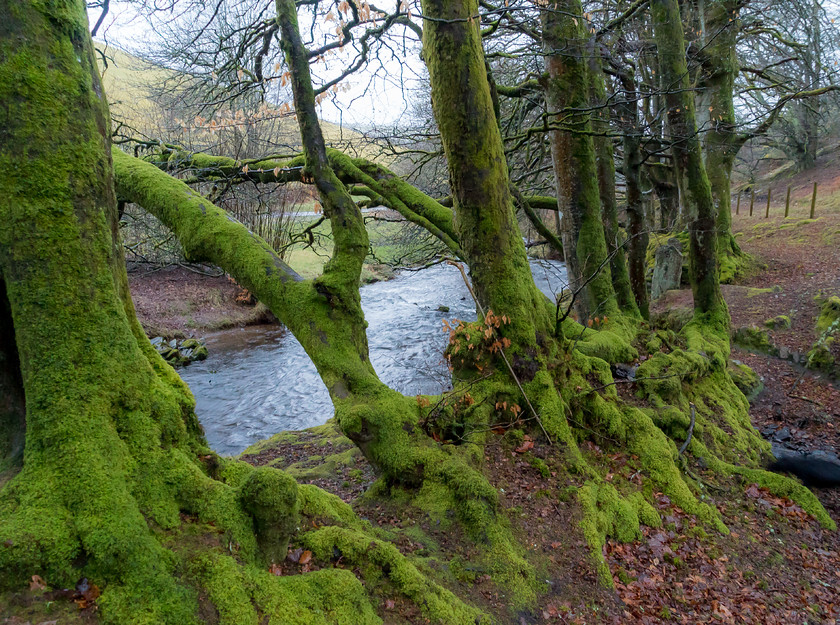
777, 566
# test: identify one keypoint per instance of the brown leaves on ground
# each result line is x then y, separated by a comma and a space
764, 572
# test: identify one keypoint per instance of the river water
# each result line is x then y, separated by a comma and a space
258, 381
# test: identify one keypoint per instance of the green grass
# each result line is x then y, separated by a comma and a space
389, 241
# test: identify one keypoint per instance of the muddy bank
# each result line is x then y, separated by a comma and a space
179, 302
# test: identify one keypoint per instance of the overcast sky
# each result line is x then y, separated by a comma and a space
367, 102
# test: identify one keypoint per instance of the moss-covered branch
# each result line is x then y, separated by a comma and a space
388, 188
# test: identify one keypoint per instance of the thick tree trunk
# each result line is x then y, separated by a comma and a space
702, 216
112, 444
103, 416
485, 222
565, 43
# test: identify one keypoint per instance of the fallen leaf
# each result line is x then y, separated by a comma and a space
37, 583
305, 557
524, 447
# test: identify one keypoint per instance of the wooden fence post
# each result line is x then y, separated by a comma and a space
787, 202
738, 204
814, 200
767, 210
752, 201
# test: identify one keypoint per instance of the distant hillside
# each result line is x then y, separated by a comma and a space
129, 85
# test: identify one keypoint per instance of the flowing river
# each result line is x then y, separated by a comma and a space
258, 381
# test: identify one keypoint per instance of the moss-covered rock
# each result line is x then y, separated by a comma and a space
779, 322
755, 339
745, 379
824, 355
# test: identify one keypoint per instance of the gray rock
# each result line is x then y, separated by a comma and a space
782, 435
784, 353
668, 268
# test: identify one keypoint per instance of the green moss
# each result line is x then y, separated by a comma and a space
821, 356
270, 497
330, 596
779, 322
381, 559
604, 344
755, 339
605, 514
539, 464
745, 379
829, 314
226, 584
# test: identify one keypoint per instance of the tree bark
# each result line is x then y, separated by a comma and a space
721, 140
688, 159
635, 206
605, 164
484, 217
565, 44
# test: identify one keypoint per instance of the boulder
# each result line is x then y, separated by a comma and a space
668, 268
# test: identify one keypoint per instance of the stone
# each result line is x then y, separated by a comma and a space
782, 435
667, 269
784, 352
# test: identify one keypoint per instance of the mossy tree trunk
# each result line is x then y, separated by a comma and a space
111, 440
717, 84
567, 94
484, 219
637, 229
688, 158
605, 163
663, 178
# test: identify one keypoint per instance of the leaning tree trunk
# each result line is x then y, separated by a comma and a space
573, 153
688, 159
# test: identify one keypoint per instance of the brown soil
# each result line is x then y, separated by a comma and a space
178, 301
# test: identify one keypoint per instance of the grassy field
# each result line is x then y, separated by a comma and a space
391, 243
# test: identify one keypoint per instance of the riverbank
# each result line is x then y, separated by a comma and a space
179, 302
